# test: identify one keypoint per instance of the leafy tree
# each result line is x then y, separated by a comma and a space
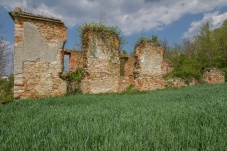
218, 56
221, 38
209, 49
224, 40
204, 45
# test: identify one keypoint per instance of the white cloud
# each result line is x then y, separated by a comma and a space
132, 16
214, 18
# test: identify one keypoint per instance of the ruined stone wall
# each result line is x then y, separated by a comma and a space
166, 67
148, 67
178, 82
127, 79
213, 76
102, 65
76, 59
38, 55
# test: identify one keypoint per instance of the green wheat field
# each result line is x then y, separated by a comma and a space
187, 119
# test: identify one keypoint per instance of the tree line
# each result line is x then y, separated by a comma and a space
4, 46
207, 49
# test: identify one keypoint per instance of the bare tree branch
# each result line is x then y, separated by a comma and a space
4, 46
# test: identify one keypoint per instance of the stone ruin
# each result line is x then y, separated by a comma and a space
213, 76
39, 56
148, 67
102, 63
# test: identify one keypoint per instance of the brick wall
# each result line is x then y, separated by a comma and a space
38, 60
38, 55
102, 64
166, 67
127, 79
76, 59
148, 67
213, 76
178, 82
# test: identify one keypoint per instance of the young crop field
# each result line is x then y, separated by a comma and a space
188, 118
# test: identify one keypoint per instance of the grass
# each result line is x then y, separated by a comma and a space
189, 118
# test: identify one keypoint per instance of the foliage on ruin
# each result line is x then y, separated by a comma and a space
6, 93
78, 75
100, 30
143, 40
124, 52
73, 80
131, 90
76, 50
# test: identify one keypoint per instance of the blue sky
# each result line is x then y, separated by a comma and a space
172, 20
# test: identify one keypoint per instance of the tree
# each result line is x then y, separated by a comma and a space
3, 48
204, 43
209, 49
188, 48
218, 57
212, 46
223, 41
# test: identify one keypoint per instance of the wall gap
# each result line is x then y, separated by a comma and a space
66, 62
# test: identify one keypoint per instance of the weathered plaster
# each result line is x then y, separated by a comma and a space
102, 64
38, 60
150, 64
33, 47
148, 67
38, 56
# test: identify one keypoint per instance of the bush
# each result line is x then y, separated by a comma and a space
78, 75
225, 71
131, 90
6, 93
73, 80
187, 69
142, 40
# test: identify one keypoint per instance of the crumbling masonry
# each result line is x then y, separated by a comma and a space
148, 67
39, 53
